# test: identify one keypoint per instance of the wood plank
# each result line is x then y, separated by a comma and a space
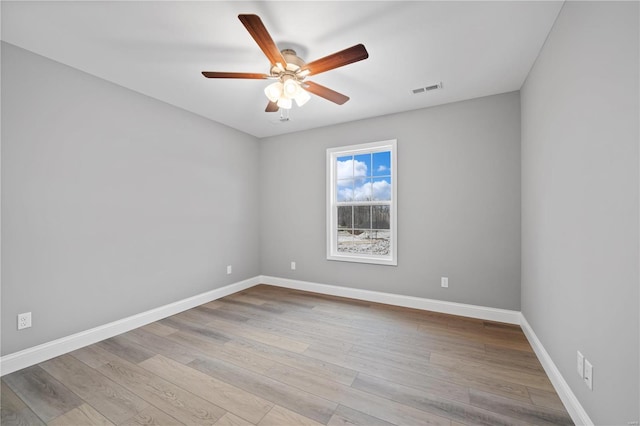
313, 365
221, 314
247, 298
277, 327
497, 359
213, 304
13, 411
249, 332
297, 400
94, 356
519, 343
546, 399
430, 402
280, 297
231, 398
194, 328
345, 416
215, 349
84, 415
125, 349
533, 380
409, 378
109, 398
317, 332
251, 306
232, 420
160, 345
280, 416
159, 329
195, 316
152, 416
356, 399
173, 400
517, 409
394, 359
43, 394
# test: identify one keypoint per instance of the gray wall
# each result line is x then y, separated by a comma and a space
113, 203
459, 203
580, 202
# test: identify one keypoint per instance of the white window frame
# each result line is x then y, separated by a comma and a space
332, 203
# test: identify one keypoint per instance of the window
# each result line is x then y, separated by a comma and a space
361, 203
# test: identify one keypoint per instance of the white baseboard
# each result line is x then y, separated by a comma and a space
571, 403
473, 311
34, 355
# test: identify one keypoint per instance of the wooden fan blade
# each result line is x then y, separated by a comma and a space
339, 59
325, 92
259, 32
215, 74
272, 107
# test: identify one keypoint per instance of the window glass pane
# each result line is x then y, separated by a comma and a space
344, 217
362, 217
344, 190
380, 217
345, 241
362, 165
363, 243
362, 191
381, 189
381, 242
382, 163
344, 167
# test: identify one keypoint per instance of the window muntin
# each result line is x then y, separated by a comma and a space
361, 183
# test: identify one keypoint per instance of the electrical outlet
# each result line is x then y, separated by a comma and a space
588, 374
229, 269
293, 266
444, 282
580, 365
24, 320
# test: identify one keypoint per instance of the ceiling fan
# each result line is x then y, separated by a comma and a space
290, 71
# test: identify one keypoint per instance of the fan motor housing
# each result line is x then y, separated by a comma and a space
294, 63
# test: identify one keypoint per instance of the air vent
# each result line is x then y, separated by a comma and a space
427, 88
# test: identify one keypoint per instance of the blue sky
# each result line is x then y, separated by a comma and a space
364, 177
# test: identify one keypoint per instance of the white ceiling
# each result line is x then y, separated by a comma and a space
159, 48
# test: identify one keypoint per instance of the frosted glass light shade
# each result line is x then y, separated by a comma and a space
284, 103
302, 97
290, 88
274, 91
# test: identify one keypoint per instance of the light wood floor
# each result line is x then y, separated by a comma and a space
271, 356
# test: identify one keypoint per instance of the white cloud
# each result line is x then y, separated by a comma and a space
350, 168
382, 168
379, 190
345, 194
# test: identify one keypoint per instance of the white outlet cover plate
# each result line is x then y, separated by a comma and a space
444, 282
588, 374
580, 365
24, 320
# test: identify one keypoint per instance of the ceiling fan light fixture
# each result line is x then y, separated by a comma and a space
290, 70
274, 91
